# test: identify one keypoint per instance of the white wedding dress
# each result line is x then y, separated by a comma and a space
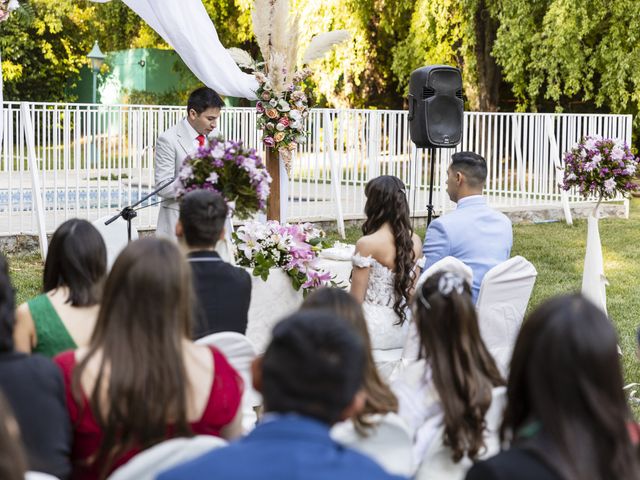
387, 336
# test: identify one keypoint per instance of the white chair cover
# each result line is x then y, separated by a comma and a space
389, 443
502, 303
114, 236
39, 476
437, 463
163, 456
240, 352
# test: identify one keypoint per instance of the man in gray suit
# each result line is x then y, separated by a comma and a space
175, 144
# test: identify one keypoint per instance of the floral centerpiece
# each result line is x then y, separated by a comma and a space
282, 103
236, 172
6, 7
600, 167
293, 248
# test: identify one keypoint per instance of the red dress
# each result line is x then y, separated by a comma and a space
222, 406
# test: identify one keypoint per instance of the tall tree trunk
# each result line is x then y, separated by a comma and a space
489, 74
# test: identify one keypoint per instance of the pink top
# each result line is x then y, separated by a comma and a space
222, 406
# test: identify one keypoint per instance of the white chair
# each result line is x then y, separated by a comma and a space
163, 456
437, 463
38, 476
114, 236
240, 352
389, 442
502, 303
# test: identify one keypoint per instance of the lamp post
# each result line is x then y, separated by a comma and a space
96, 57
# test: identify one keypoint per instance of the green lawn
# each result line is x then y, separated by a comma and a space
556, 250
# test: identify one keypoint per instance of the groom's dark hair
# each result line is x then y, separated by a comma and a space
202, 215
472, 165
202, 99
314, 366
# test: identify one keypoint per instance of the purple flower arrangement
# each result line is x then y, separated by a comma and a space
600, 167
293, 248
226, 167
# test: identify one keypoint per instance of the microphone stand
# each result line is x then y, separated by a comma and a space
129, 213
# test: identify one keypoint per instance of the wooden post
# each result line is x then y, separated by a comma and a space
273, 167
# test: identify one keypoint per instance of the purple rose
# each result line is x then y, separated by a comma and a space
269, 141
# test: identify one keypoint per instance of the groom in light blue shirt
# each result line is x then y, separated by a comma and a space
474, 233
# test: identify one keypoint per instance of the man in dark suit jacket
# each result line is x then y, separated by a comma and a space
310, 378
222, 291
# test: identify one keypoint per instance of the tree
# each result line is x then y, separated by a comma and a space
42, 54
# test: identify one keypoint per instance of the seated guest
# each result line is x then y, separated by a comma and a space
473, 233
366, 430
63, 317
566, 416
12, 462
453, 397
223, 292
310, 378
33, 386
141, 380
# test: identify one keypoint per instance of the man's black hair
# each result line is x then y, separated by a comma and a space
313, 366
202, 214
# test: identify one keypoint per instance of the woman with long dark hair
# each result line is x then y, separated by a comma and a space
566, 416
63, 316
453, 396
384, 268
367, 429
141, 379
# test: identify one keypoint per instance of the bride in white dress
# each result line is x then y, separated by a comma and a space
384, 268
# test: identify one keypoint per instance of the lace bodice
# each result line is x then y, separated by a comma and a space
380, 286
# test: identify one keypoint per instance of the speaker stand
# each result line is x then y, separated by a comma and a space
432, 160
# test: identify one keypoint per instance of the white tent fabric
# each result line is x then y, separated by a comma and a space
594, 281
187, 28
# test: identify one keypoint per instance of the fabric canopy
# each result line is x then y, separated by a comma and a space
187, 28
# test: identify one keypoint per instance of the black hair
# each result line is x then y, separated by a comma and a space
566, 376
472, 165
202, 215
77, 259
203, 98
313, 366
7, 307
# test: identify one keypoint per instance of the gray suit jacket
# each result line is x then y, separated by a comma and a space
172, 147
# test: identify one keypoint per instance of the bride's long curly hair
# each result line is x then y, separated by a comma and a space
387, 203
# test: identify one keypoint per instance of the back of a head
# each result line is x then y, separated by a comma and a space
138, 339
565, 374
202, 215
379, 397
147, 295
464, 372
7, 307
202, 99
472, 165
77, 259
13, 464
313, 366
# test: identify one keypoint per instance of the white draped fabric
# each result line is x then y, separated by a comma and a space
187, 28
594, 281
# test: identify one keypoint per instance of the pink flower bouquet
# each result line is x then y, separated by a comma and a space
293, 248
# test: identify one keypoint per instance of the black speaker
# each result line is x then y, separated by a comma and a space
436, 107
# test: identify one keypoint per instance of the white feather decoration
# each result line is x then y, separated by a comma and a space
261, 17
323, 43
280, 26
242, 57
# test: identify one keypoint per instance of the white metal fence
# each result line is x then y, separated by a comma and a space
94, 160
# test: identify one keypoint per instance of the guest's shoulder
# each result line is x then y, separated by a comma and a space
238, 273
360, 466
